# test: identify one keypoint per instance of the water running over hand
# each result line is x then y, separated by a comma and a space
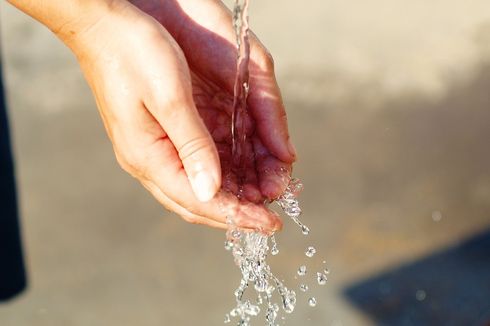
250, 249
238, 118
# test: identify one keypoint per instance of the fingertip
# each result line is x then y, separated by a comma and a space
273, 184
278, 225
252, 193
204, 186
275, 223
270, 189
292, 150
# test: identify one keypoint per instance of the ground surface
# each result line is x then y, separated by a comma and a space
389, 107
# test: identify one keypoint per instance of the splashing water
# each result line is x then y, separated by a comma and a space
303, 287
250, 249
310, 251
312, 302
321, 278
302, 270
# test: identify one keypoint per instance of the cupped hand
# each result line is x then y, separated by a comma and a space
153, 107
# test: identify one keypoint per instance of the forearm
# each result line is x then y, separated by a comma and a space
67, 18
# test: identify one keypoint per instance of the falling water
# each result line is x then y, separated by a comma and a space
240, 24
250, 249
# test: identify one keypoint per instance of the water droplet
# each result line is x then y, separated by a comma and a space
312, 302
326, 271
227, 319
436, 216
251, 309
321, 278
310, 251
303, 287
302, 270
305, 230
259, 299
289, 302
236, 234
228, 245
420, 295
260, 285
270, 316
237, 251
274, 249
275, 306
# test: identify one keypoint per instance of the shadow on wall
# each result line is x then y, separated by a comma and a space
451, 287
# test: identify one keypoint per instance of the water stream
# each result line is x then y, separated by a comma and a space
250, 249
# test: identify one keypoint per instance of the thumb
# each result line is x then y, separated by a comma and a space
195, 146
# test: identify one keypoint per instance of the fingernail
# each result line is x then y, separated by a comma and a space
291, 148
203, 185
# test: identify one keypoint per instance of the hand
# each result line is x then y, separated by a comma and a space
143, 89
204, 31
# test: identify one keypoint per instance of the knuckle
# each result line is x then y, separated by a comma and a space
194, 147
169, 106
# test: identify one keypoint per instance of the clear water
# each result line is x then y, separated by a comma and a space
321, 278
312, 302
302, 270
240, 24
303, 287
250, 251
310, 251
259, 291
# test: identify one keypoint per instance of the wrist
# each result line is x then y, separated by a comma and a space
68, 19
82, 18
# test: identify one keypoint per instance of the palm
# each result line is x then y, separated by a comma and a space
257, 181
204, 32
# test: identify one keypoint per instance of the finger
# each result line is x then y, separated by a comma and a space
267, 108
274, 174
172, 180
172, 105
216, 59
184, 213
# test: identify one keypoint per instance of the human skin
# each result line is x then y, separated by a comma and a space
162, 74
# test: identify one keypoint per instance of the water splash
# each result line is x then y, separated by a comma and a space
302, 270
321, 278
290, 205
250, 249
312, 302
274, 249
310, 251
303, 287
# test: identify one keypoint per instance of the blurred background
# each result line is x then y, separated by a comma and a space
389, 108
